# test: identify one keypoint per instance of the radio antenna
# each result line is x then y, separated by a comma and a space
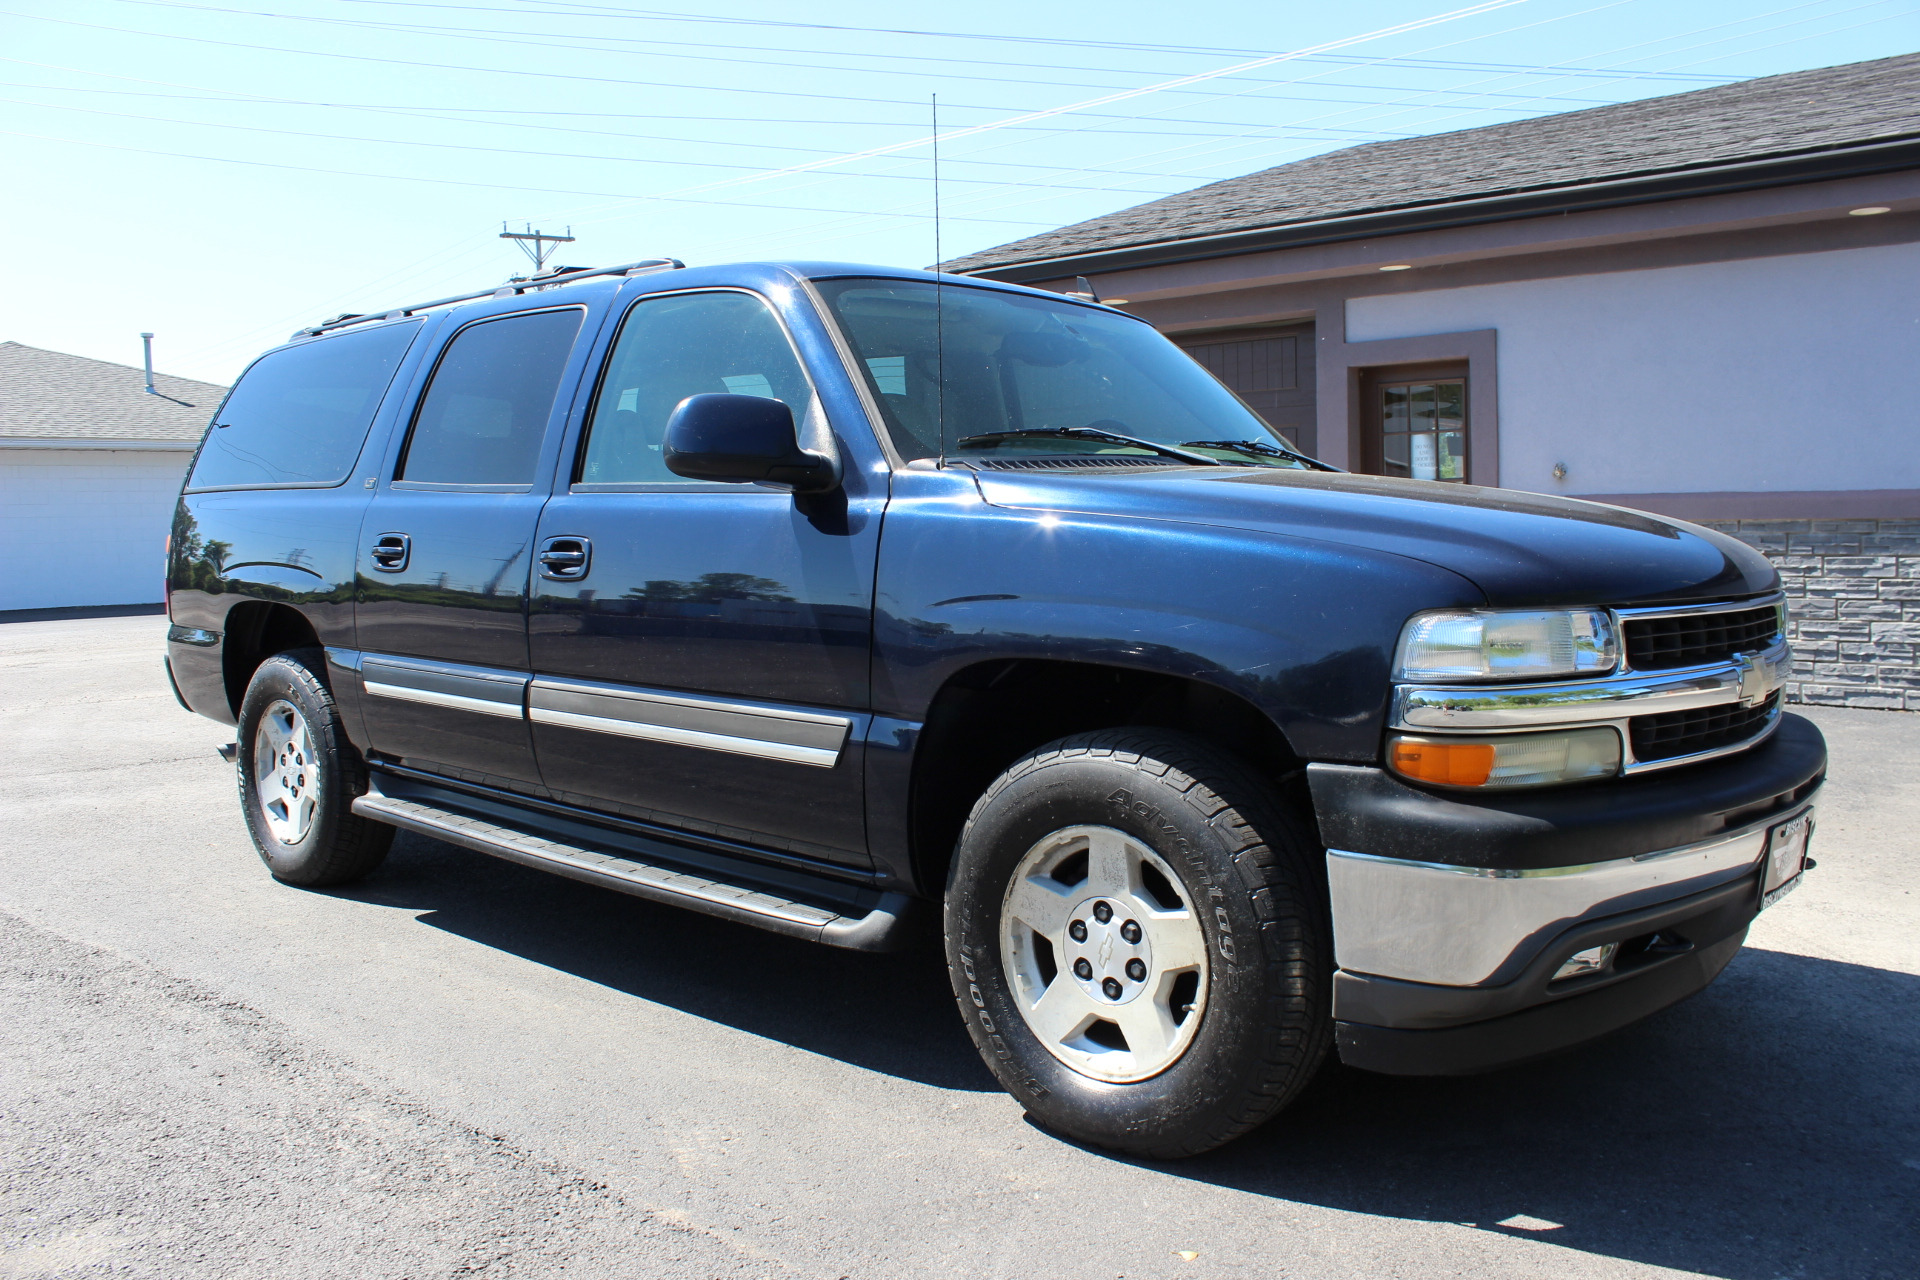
939, 301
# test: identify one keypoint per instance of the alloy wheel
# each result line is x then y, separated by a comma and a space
1106, 954
286, 772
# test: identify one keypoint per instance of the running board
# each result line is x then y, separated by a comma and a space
887, 926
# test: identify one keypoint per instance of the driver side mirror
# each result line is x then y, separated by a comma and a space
743, 440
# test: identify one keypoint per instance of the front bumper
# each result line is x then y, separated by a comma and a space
1452, 914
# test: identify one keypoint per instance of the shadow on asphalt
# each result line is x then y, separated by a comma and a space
1770, 1127
888, 1013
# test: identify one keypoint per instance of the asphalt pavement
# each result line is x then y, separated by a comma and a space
462, 1067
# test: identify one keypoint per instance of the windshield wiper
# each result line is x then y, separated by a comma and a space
1090, 433
1259, 448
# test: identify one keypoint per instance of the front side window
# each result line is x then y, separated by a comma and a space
1027, 375
677, 346
300, 415
485, 412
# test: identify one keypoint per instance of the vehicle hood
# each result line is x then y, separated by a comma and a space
1519, 548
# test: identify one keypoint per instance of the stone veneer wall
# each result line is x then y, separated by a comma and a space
1853, 600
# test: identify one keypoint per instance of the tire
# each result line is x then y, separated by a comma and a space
298, 775
1149, 823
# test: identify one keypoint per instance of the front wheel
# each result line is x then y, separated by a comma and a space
1137, 940
298, 776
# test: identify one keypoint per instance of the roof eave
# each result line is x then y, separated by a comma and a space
1774, 171
90, 442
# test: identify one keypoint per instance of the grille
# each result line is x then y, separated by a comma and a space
1658, 644
1685, 733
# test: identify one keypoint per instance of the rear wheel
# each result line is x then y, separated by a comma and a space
298, 776
1137, 940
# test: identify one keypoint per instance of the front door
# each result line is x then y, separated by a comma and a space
445, 551
700, 651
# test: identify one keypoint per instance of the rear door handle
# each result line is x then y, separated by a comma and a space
391, 551
565, 559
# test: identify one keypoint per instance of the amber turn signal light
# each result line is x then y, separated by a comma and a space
1451, 764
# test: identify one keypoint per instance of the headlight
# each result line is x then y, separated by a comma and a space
1506, 760
1532, 644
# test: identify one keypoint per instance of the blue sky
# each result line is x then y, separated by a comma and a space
220, 174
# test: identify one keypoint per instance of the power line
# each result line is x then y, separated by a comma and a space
417, 111
655, 15
1486, 6
485, 186
598, 44
544, 155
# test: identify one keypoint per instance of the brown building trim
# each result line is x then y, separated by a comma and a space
1757, 224
1779, 504
1840, 164
1345, 365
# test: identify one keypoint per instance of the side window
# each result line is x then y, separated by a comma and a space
300, 415
485, 412
674, 347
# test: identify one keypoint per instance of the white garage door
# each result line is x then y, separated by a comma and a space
85, 526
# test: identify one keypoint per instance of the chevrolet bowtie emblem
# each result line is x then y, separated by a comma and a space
1758, 678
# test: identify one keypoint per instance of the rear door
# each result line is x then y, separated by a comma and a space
701, 651
446, 548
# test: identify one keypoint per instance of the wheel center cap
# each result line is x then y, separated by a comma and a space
1105, 948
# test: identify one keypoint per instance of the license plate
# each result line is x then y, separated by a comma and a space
1786, 858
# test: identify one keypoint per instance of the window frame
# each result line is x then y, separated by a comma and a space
585, 434
426, 388
600, 380
366, 438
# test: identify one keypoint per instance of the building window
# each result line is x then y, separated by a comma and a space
1418, 427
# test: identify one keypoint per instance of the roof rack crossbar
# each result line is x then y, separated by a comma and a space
641, 267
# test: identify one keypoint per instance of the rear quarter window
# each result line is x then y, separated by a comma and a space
300, 415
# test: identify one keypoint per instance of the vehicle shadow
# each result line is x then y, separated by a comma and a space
889, 1013
1768, 1128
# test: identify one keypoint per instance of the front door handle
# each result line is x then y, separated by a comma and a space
565, 559
391, 551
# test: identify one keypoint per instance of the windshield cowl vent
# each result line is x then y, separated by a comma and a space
1062, 464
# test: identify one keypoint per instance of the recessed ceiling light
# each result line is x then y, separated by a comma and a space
1398, 266
1867, 211
1115, 302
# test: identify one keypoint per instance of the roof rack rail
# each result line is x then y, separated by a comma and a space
507, 290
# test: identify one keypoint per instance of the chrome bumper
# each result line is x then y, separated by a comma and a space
1467, 926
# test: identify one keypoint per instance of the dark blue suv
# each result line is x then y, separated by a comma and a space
839, 600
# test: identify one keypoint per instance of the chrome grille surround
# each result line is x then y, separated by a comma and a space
1750, 680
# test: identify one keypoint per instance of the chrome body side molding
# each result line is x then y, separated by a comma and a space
770, 731
1464, 926
483, 690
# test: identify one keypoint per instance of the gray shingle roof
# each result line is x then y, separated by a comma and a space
50, 395
1800, 112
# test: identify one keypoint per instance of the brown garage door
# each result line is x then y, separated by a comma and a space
1271, 368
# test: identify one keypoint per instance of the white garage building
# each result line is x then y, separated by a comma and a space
90, 465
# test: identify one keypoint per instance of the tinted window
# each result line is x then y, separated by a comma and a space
486, 410
674, 347
299, 416
1019, 370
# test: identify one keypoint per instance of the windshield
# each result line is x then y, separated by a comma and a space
1027, 376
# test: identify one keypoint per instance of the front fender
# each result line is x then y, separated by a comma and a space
1303, 630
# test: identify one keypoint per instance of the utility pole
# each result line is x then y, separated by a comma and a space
536, 244
146, 340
